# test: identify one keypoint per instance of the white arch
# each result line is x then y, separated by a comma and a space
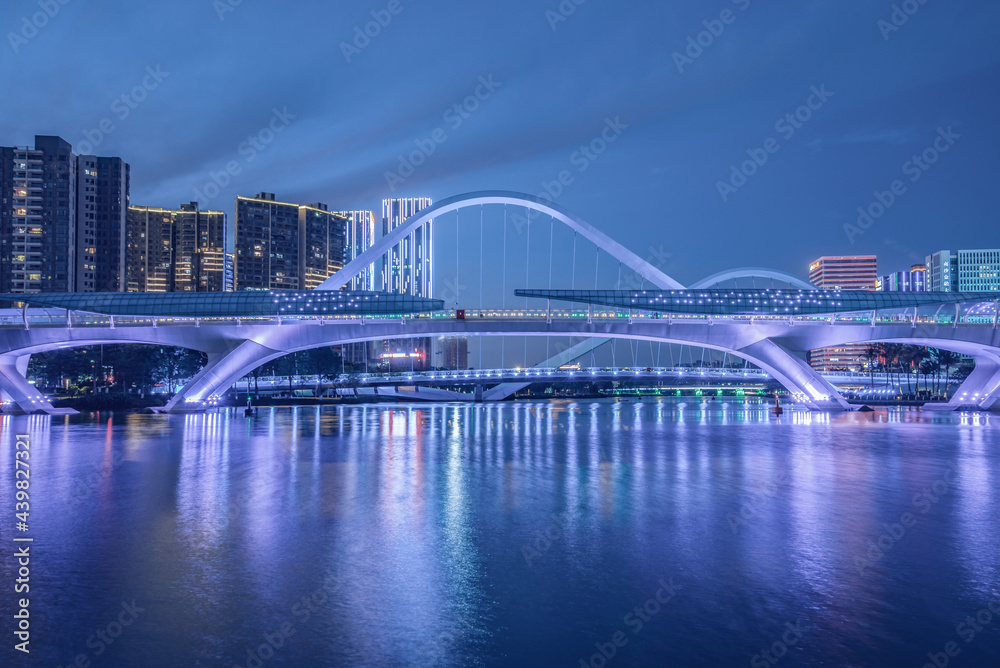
609, 245
752, 272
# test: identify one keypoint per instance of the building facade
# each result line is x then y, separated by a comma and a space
199, 249
62, 219
175, 250
914, 280
360, 236
856, 272
409, 267
964, 271
452, 352
101, 220
979, 270
283, 246
38, 198
149, 250
942, 272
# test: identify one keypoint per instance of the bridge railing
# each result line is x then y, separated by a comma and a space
18, 319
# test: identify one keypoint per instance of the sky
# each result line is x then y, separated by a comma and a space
212, 99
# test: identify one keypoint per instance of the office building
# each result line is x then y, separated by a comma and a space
62, 219
175, 250
914, 280
283, 246
858, 272
964, 271
942, 272
408, 267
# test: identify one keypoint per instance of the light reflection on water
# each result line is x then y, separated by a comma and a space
508, 534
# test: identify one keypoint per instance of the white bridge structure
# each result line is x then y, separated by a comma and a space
771, 329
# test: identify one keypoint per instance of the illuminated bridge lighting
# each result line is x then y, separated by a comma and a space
767, 302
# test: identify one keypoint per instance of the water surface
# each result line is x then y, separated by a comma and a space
520, 534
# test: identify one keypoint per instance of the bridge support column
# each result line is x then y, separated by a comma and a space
19, 395
221, 372
479, 393
981, 388
796, 375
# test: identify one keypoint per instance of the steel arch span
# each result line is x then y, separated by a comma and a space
752, 272
568, 218
775, 346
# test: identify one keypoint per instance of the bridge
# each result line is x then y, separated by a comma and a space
769, 328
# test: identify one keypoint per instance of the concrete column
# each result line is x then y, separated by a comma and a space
15, 388
221, 372
795, 374
981, 388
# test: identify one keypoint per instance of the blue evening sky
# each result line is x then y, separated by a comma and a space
224, 67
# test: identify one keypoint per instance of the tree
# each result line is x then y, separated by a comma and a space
927, 368
948, 359
873, 352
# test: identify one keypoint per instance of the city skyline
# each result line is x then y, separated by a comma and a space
678, 128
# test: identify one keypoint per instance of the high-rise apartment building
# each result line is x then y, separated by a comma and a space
360, 237
62, 219
409, 267
178, 250
199, 249
857, 272
38, 217
283, 246
101, 216
149, 250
